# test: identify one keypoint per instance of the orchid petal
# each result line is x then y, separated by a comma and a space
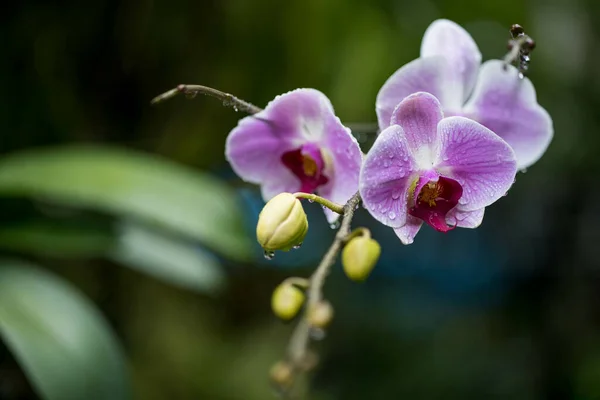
254, 151
508, 106
407, 233
465, 219
386, 177
448, 39
344, 158
420, 75
478, 159
419, 115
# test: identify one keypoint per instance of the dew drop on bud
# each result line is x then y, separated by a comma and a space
296, 247
335, 225
269, 255
311, 201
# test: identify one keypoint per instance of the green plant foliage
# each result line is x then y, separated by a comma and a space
128, 183
56, 239
174, 261
62, 342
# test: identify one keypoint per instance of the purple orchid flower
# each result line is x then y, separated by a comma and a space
297, 144
449, 68
427, 168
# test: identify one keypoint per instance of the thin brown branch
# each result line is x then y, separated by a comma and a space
297, 352
191, 91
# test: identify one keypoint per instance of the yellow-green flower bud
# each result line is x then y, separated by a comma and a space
320, 315
282, 223
282, 374
359, 257
287, 300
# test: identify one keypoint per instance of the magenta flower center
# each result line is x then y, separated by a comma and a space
434, 200
307, 164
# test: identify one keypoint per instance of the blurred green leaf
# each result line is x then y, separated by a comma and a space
131, 184
56, 239
60, 339
175, 261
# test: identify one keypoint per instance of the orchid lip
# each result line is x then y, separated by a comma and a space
307, 164
435, 198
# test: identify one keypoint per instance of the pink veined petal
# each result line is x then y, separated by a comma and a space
418, 115
478, 159
386, 176
448, 39
508, 106
407, 233
344, 158
254, 148
420, 75
254, 151
465, 219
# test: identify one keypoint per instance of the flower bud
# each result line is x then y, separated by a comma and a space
320, 315
287, 300
282, 374
282, 223
359, 257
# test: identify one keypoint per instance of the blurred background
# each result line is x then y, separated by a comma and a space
129, 267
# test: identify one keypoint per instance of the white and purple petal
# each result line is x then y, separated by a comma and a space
386, 176
407, 233
508, 106
420, 75
483, 163
449, 40
419, 115
465, 219
343, 159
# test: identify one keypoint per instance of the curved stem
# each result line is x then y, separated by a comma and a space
337, 208
298, 346
192, 90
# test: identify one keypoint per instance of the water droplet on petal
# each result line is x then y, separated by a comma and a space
392, 215
395, 194
269, 255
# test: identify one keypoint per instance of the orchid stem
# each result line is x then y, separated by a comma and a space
336, 208
297, 352
192, 90
358, 232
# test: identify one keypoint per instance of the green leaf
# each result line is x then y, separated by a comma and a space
62, 342
134, 184
175, 261
55, 239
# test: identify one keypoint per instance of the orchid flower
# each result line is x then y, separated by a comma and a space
427, 168
297, 144
492, 93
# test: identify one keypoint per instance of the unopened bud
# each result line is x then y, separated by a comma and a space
287, 300
320, 315
282, 223
282, 374
359, 257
